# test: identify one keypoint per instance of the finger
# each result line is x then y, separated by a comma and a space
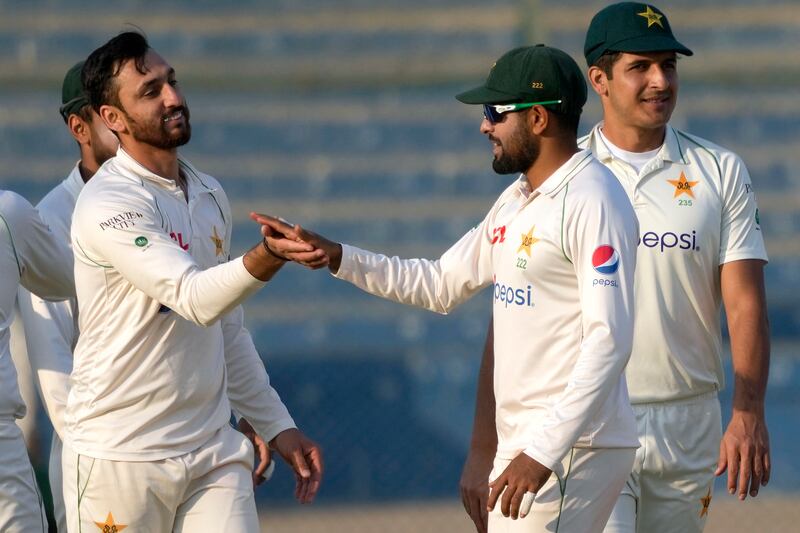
767, 468
314, 459
316, 264
509, 495
483, 526
301, 257
722, 462
733, 470
274, 222
299, 464
745, 470
287, 246
263, 457
527, 503
495, 490
467, 499
757, 473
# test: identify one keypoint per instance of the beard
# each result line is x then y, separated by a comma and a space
520, 152
157, 134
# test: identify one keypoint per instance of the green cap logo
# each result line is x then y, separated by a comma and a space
141, 241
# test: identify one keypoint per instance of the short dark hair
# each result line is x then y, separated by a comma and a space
105, 63
568, 123
85, 112
606, 62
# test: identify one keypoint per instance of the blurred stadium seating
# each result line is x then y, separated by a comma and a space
340, 115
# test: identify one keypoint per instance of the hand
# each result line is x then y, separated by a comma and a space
305, 458
744, 453
523, 474
261, 450
474, 486
283, 238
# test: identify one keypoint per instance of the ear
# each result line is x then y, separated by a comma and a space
78, 128
598, 80
113, 118
538, 119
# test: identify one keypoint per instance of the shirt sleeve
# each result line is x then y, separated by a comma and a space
142, 251
50, 334
601, 229
437, 285
740, 236
249, 390
38, 254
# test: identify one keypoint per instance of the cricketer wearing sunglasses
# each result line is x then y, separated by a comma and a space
558, 250
701, 245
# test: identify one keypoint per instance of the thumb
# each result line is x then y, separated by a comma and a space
722, 462
299, 463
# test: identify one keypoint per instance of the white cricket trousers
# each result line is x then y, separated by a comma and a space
209, 490
580, 502
672, 482
56, 483
20, 502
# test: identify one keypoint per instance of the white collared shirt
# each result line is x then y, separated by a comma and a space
560, 260
697, 210
153, 279
31, 256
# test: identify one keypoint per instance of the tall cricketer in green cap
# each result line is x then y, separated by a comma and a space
632, 57
97, 143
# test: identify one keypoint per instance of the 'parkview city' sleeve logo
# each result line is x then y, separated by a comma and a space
126, 219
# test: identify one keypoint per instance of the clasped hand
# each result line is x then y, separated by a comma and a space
292, 242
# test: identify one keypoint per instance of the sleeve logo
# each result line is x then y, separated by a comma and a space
605, 260
140, 241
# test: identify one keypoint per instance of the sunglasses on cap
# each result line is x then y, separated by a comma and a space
494, 113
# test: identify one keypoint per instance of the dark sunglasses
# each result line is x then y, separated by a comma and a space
494, 113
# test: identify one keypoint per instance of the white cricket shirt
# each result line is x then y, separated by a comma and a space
51, 328
153, 279
560, 260
30, 255
697, 210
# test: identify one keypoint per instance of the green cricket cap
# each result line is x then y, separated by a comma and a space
73, 97
630, 27
532, 74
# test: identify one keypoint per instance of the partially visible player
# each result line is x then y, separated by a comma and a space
147, 440
31, 256
700, 246
558, 249
51, 327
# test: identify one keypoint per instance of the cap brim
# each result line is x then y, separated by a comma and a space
650, 43
485, 95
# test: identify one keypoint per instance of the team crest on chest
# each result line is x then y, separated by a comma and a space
528, 240
218, 241
683, 186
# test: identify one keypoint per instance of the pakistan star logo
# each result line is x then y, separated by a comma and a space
218, 241
109, 526
683, 186
651, 16
527, 241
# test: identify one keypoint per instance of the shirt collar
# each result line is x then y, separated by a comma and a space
193, 180
562, 176
73, 183
670, 150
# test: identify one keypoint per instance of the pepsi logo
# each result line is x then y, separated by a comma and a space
605, 259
